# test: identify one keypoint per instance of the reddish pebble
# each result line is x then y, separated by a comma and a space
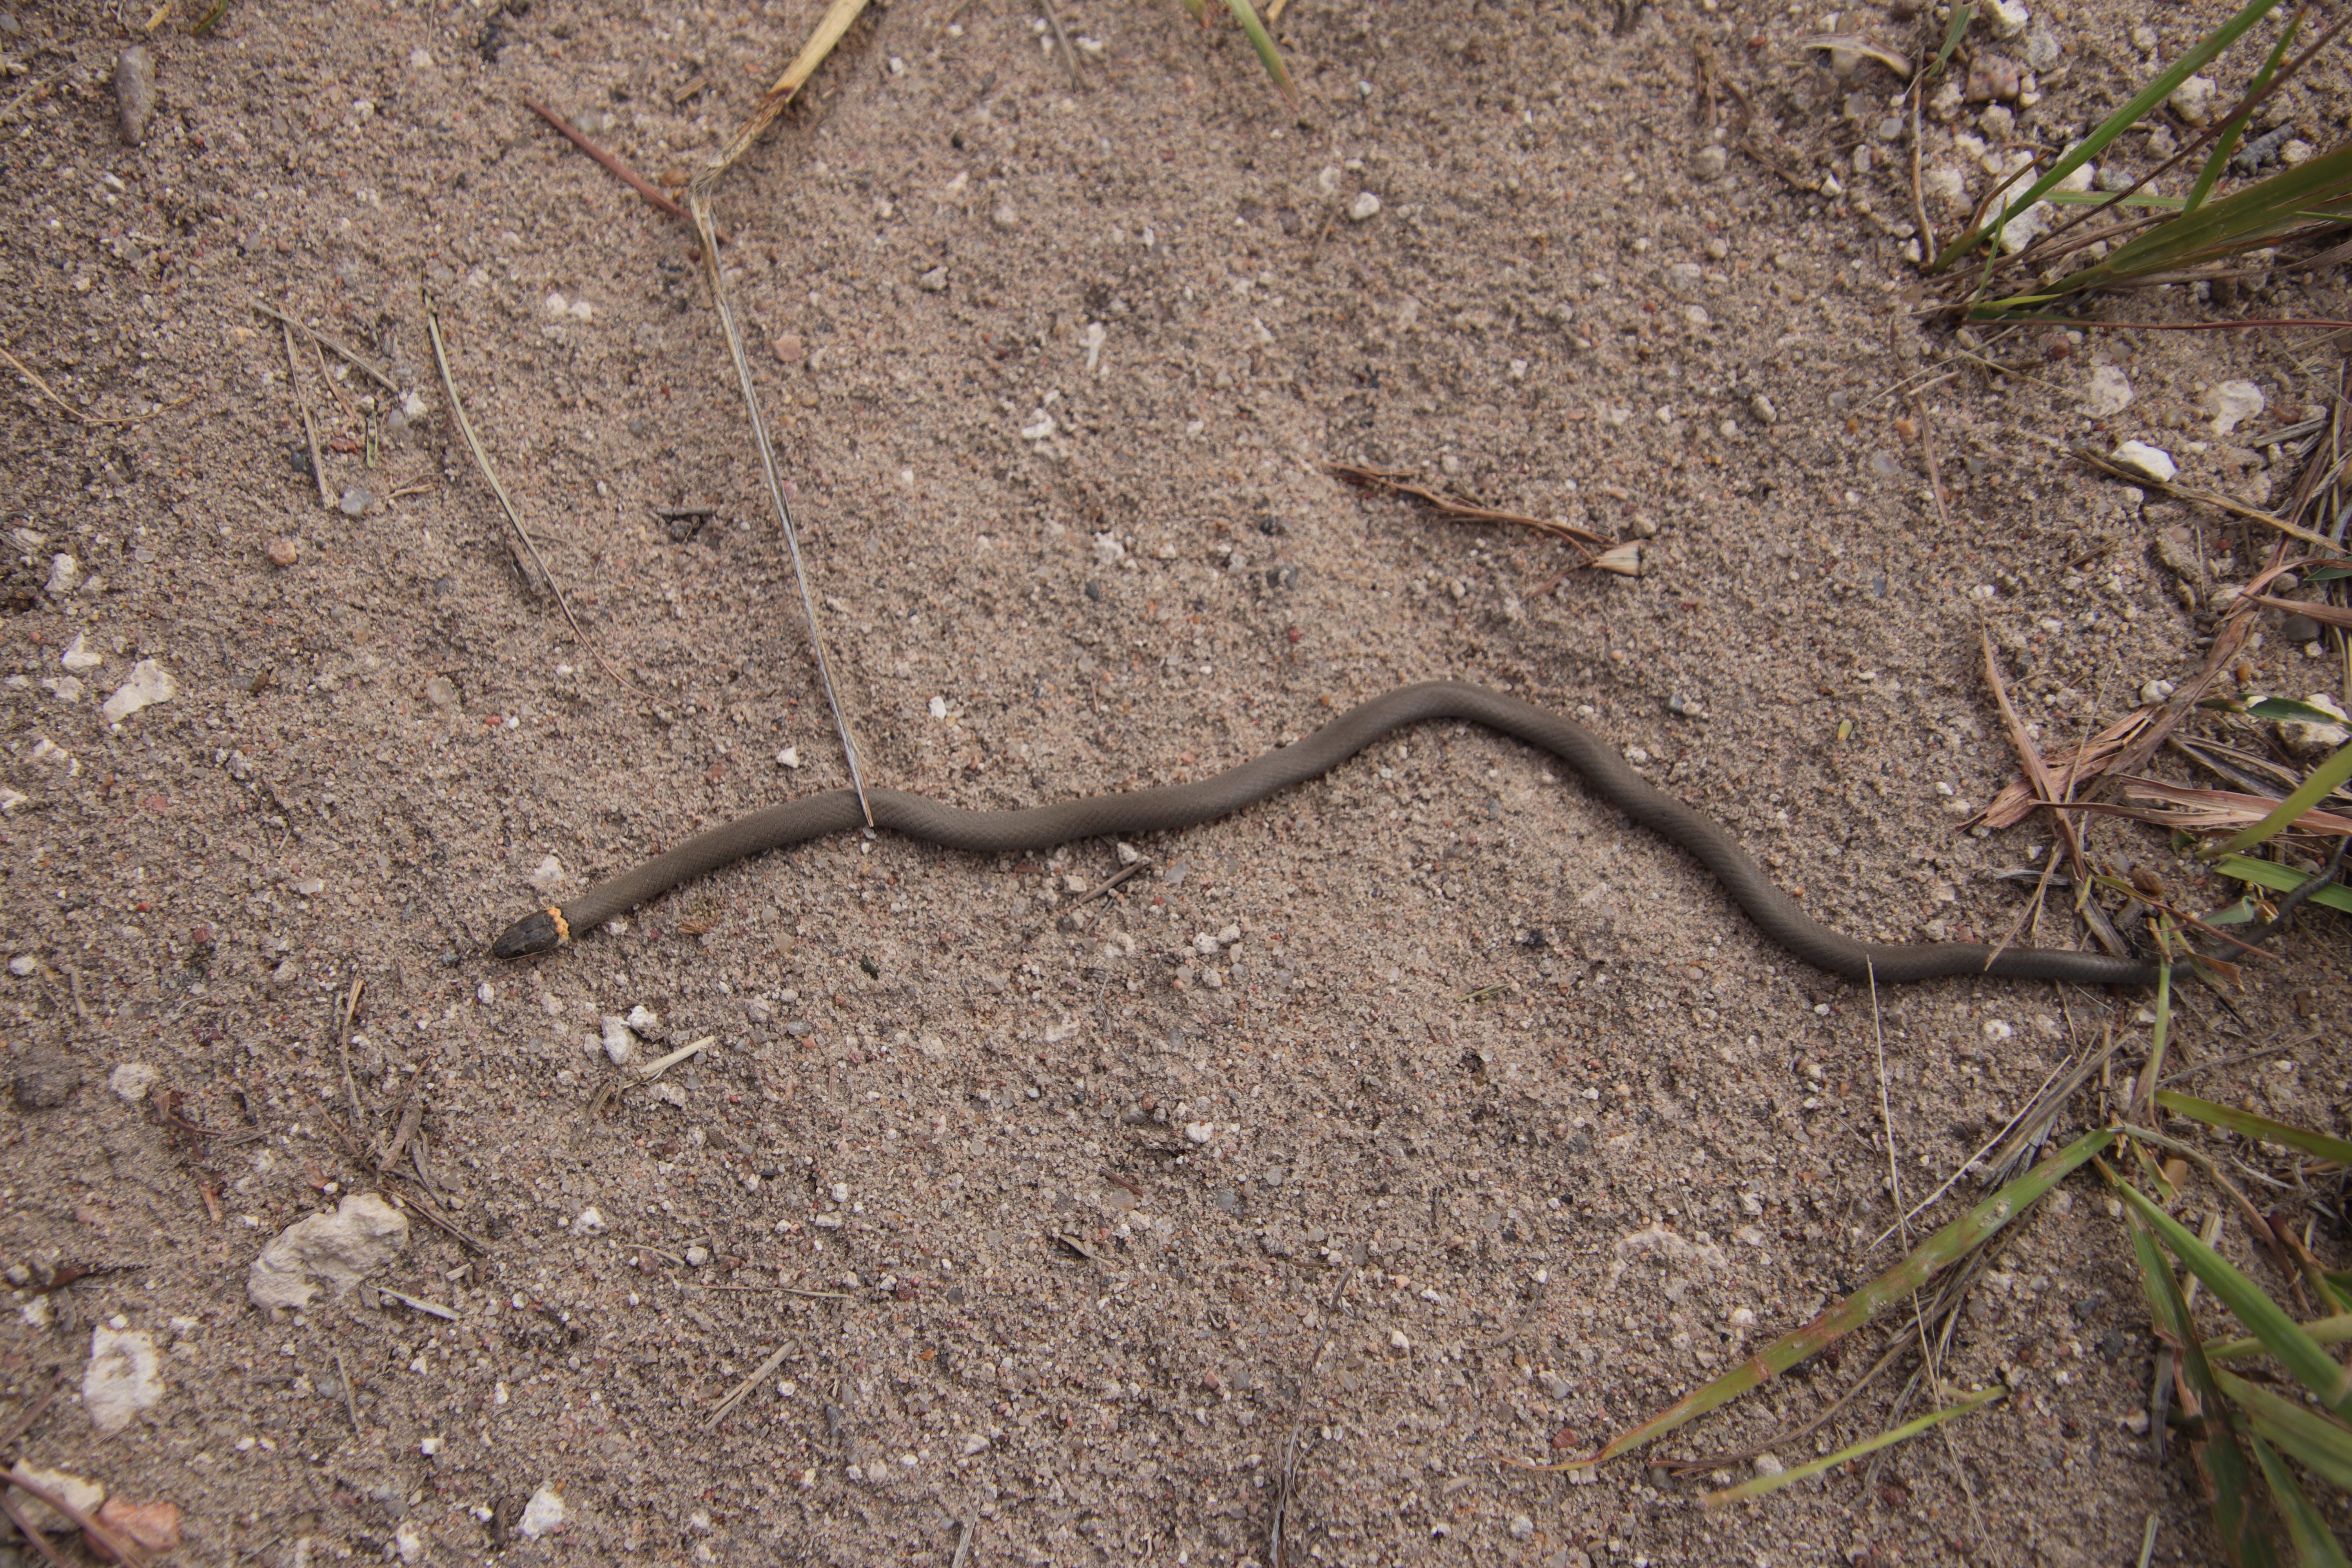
789, 348
149, 1526
284, 552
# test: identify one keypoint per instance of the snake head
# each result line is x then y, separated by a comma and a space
543, 931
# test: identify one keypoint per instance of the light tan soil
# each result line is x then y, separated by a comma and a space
1477, 1039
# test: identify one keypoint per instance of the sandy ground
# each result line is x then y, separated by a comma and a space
1424, 1122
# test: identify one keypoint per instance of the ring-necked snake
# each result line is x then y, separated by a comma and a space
1181, 806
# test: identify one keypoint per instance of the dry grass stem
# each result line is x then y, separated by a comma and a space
505, 502
829, 32
302, 405
743, 1390
1465, 512
352, 356
613, 165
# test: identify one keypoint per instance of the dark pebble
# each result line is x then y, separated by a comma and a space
1271, 525
1094, 591
1282, 577
2299, 629
46, 1079
2112, 1347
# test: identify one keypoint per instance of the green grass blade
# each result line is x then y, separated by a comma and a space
2283, 1337
2316, 1545
2280, 879
2227, 143
2245, 1536
2320, 1445
2239, 221
2114, 126
1953, 1242
2327, 778
1764, 1485
1962, 16
2335, 1330
2246, 1123
1267, 55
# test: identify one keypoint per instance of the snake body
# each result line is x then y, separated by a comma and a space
1181, 806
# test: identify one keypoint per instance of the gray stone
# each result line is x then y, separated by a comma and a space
339, 1250
134, 93
46, 1079
2299, 629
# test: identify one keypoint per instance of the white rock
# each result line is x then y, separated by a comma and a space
420, 58
66, 688
407, 1543
2110, 391
789, 757
544, 1514
85, 1495
1108, 551
642, 1018
1366, 205
1522, 1527
1997, 1029
1200, 1132
2233, 403
78, 658
557, 305
2153, 462
132, 1080
149, 683
2027, 226
122, 1380
2193, 99
65, 575
620, 1042
2306, 736
23, 964
2007, 18
1041, 424
1768, 1465
548, 875
589, 1222
938, 707
974, 1443
2156, 692
13, 801
339, 1250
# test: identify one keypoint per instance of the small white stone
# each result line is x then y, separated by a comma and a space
1200, 1132
2233, 403
558, 305
1995, 1029
1108, 551
697, 1256
363, 1236
1365, 206
590, 1222
974, 1443
85, 1495
1768, 1465
935, 282
2110, 391
485, 993
1398, 1340
430, 1447
149, 683
78, 658
1522, 1527
2156, 692
1041, 424
620, 1042
406, 1544
2007, 18
2153, 462
122, 1380
642, 1018
938, 707
420, 58
789, 757
2306, 736
2193, 99
65, 574
544, 1514
23, 966
132, 1080
546, 876
1742, 1317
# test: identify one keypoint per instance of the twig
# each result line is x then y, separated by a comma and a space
351, 1403
774, 1289
830, 29
1445, 505
963, 1545
21, 368
124, 1551
1141, 864
344, 1047
2214, 499
514, 519
1070, 56
744, 1389
412, 1111
310, 431
24, 1424
2232, 1060
1927, 451
1885, 1112
25, 1527
613, 166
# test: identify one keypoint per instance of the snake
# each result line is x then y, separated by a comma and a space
1170, 807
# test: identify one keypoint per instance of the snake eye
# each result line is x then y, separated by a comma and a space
536, 932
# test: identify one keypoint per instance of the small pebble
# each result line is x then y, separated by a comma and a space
1522, 1527
544, 1514
2140, 457
2233, 403
1197, 1131
132, 1080
789, 757
134, 93
123, 1379
441, 691
546, 876
2193, 101
2299, 629
697, 1256
1004, 217
620, 1042
789, 348
23, 964
2007, 18
284, 552
46, 1077
1708, 164
2110, 391
65, 575
78, 658
935, 282
85, 1495
356, 501
1365, 206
